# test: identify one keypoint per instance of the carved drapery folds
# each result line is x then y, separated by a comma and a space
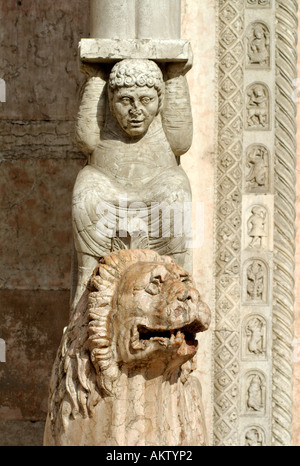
255, 222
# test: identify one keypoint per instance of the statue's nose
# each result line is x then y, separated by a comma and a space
136, 108
188, 294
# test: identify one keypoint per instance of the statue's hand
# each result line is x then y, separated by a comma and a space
175, 69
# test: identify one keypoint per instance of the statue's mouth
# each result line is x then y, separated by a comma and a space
142, 337
136, 121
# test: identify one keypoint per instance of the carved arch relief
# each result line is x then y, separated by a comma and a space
254, 437
255, 278
257, 114
254, 394
254, 337
257, 169
257, 227
258, 46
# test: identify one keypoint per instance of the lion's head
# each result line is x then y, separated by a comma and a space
144, 306
140, 307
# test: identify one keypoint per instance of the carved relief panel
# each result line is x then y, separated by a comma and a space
258, 46
254, 437
264, 210
255, 282
254, 337
257, 164
257, 112
254, 393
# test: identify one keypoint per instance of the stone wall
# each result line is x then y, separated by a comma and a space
39, 163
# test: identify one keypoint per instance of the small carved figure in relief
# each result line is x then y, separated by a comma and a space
257, 162
255, 394
255, 281
255, 334
259, 46
257, 107
256, 226
253, 438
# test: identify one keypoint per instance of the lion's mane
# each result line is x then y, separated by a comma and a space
85, 366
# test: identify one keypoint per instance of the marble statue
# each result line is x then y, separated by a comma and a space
123, 372
134, 123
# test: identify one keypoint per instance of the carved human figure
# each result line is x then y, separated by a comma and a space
255, 334
257, 162
123, 374
257, 107
254, 438
255, 394
256, 225
258, 46
134, 123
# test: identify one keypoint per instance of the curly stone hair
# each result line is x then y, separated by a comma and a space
137, 72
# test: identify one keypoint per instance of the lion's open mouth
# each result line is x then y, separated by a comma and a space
142, 336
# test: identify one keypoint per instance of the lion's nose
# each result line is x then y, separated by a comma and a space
188, 294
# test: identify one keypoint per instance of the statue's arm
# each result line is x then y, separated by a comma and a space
91, 114
176, 114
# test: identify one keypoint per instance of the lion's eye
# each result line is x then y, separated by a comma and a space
154, 286
185, 278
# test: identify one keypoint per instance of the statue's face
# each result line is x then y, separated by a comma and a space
135, 108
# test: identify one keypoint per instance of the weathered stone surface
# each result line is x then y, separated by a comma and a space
129, 19
36, 234
21, 433
38, 139
31, 324
38, 49
123, 372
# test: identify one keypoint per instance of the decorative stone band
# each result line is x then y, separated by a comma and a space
110, 50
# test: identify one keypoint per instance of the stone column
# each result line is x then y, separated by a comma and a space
113, 19
135, 19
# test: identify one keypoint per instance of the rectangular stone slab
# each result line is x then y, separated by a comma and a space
109, 50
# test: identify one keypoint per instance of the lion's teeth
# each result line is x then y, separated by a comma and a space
179, 336
163, 341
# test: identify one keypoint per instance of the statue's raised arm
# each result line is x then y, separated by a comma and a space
91, 114
176, 114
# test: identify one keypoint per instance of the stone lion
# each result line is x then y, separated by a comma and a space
123, 372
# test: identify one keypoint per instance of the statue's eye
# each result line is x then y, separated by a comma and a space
154, 286
125, 100
145, 100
